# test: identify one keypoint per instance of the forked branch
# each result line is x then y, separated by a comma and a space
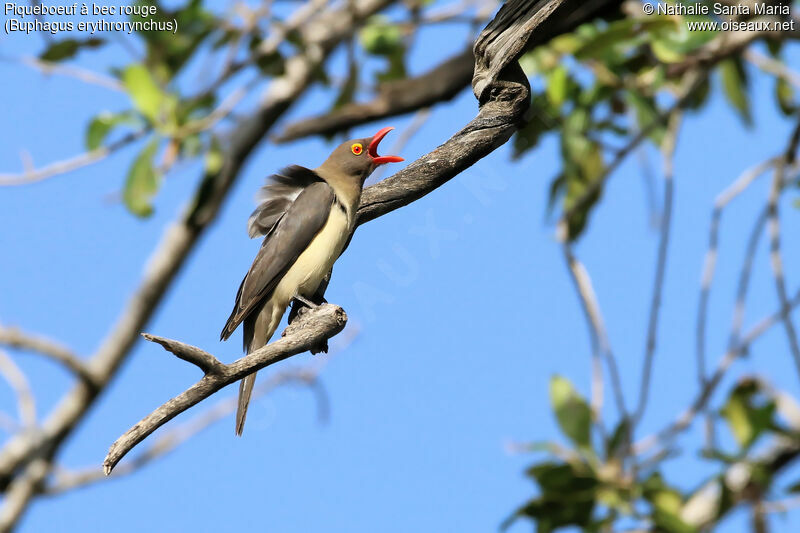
308, 330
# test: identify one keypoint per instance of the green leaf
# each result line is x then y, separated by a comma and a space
540, 118
667, 503
583, 167
143, 182
748, 412
572, 412
698, 98
670, 39
539, 60
214, 157
610, 43
191, 146
774, 48
101, 125
794, 488
168, 52
557, 82
147, 96
379, 37
784, 94
647, 115
67, 48
568, 497
619, 439
348, 90
272, 64
734, 84
396, 69
666, 51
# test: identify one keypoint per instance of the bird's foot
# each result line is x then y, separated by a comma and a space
305, 301
308, 304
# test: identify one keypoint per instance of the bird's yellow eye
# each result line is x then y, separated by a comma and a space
357, 148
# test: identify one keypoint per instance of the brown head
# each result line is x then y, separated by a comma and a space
355, 159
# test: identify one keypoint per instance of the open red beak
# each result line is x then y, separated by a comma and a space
372, 150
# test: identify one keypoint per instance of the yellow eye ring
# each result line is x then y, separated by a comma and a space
357, 148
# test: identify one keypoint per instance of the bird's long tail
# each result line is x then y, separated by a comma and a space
245, 391
258, 330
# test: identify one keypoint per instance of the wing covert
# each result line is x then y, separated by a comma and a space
277, 196
288, 237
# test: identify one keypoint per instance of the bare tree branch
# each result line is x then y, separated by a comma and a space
772, 66
439, 84
200, 358
307, 331
26, 403
668, 150
601, 346
66, 480
16, 338
732, 354
20, 492
87, 76
776, 259
68, 165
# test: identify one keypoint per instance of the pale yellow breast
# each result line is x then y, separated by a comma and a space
313, 264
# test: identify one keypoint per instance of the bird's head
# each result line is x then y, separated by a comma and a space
357, 158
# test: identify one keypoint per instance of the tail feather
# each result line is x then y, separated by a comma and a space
258, 329
245, 391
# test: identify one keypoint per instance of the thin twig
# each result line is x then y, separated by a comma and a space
709, 264
668, 151
777, 262
776, 259
744, 278
772, 66
601, 347
68, 165
82, 74
731, 355
26, 403
16, 338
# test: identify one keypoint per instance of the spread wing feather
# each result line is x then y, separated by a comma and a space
277, 195
289, 235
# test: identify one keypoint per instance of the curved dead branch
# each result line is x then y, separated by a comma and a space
307, 331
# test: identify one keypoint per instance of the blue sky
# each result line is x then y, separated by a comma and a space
442, 373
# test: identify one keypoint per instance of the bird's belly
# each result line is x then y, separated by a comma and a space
305, 275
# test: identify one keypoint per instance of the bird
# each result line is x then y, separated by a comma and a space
307, 217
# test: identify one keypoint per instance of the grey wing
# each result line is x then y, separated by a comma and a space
277, 195
286, 240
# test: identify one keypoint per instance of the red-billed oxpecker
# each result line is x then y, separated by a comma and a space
306, 217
